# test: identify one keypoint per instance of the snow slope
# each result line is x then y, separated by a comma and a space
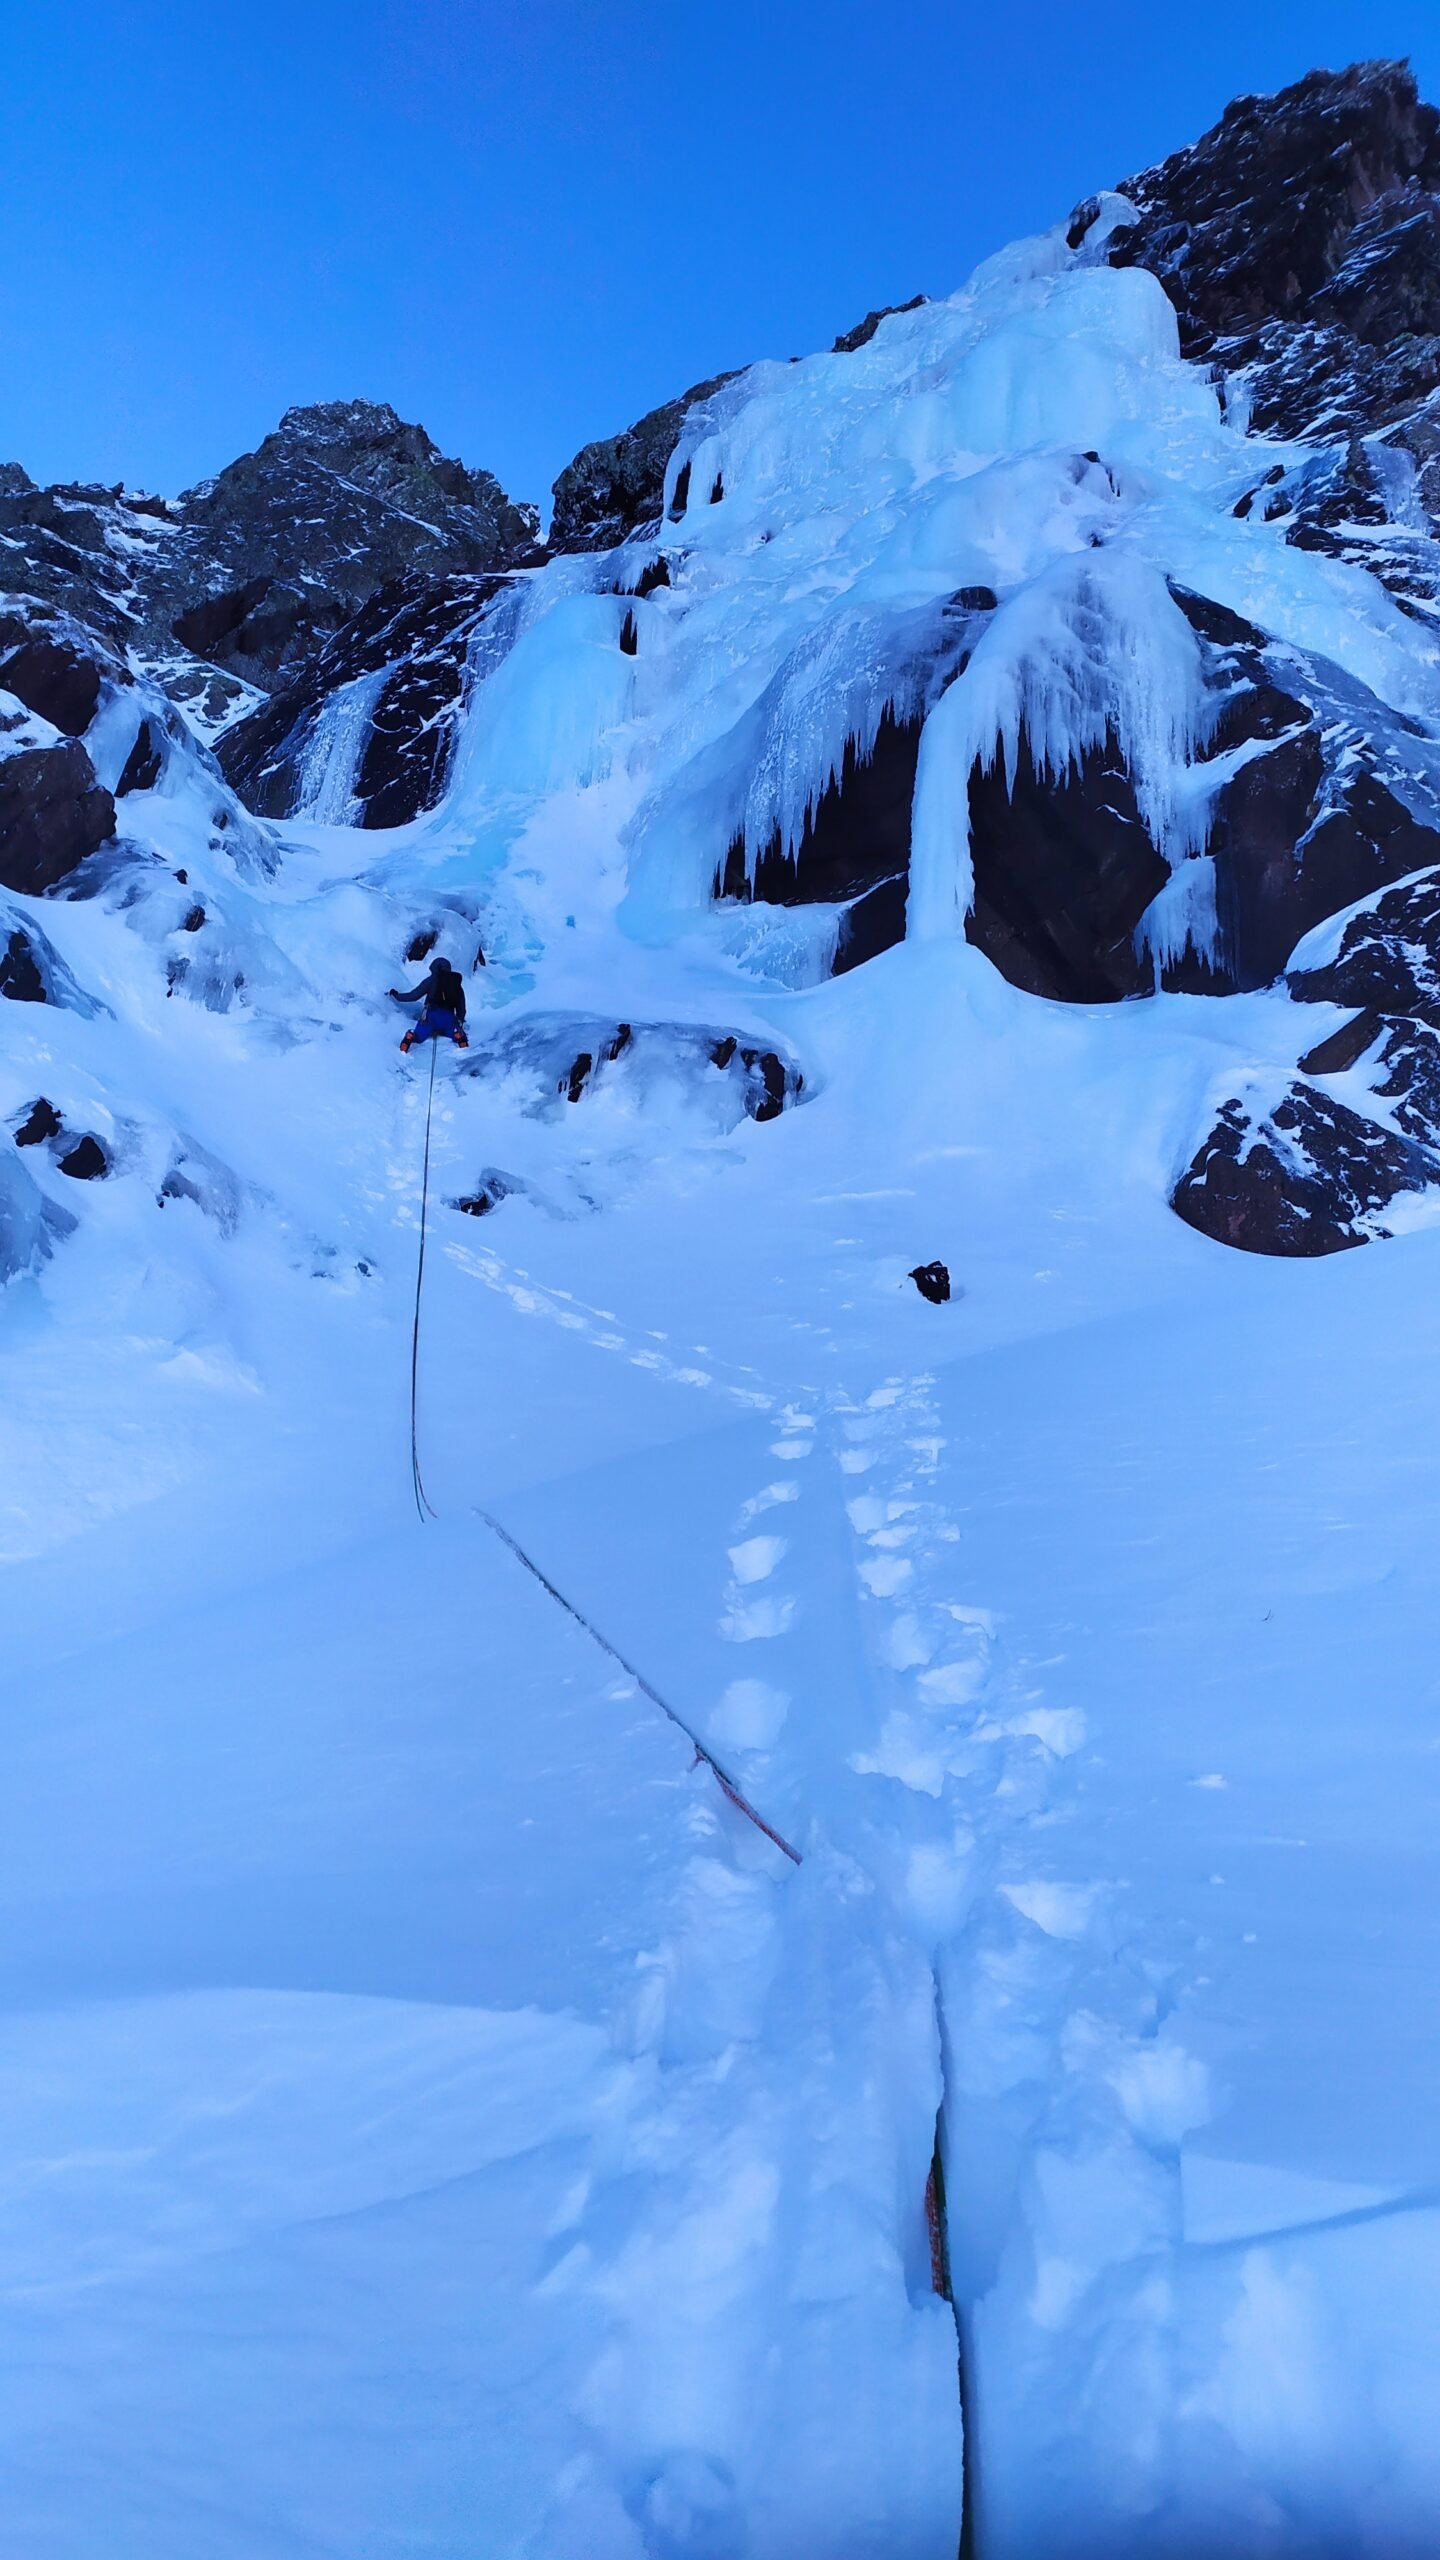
436, 2121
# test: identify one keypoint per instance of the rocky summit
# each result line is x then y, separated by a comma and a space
233, 587
281, 548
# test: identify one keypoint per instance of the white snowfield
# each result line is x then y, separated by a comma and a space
435, 2122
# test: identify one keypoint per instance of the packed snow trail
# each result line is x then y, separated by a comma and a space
426, 1511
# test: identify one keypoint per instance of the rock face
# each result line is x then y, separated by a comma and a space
1313, 1172
1295, 207
344, 498
54, 670
239, 584
1386, 958
1307, 1176
1300, 243
76, 546
1064, 873
617, 484
854, 851
53, 813
381, 755
1387, 962
1321, 794
1336, 796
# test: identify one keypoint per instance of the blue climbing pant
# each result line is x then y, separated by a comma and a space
435, 1023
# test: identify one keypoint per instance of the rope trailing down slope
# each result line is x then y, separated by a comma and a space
426, 1511
423, 1504
721, 1775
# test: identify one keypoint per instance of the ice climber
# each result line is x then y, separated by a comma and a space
441, 992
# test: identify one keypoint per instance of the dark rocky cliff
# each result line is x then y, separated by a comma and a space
238, 585
277, 552
1300, 244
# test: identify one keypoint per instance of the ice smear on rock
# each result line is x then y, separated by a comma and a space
329, 764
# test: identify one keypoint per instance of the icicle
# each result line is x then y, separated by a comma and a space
1095, 646
832, 693
1183, 917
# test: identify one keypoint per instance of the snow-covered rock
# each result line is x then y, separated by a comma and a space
53, 811
1300, 243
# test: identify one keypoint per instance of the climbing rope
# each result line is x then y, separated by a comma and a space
935, 2203
702, 1753
426, 1510
423, 1504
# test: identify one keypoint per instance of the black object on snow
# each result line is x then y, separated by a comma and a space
86, 1162
933, 1282
43, 1123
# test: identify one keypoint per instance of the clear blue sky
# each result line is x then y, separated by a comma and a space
525, 224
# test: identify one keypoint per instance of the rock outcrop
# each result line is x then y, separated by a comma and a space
569, 1059
278, 551
236, 587
1296, 207
41, 1122
31, 969
1300, 243
1316, 1170
53, 812
1305, 1176
366, 731
616, 485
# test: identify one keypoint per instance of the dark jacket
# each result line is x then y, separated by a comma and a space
442, 990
